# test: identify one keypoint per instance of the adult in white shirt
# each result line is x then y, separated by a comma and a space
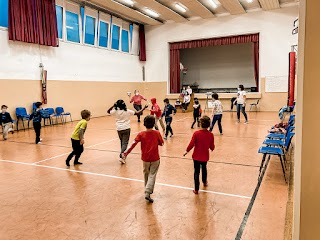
189, 90
186, 101
241, 103
122, 114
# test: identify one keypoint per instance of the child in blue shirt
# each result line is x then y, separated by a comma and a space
168, 113
36, 117
6, 122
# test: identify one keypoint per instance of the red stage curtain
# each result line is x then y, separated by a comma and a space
175, 54
175, 71
142, 44
33, 21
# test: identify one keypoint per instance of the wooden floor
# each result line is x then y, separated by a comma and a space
40, 198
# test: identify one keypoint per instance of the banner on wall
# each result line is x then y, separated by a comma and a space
291, 80
44, 86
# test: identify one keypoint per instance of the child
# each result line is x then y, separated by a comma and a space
196, 112
241, 103
36, 116
186, 102
122, 114
136, 99
168, 113
155, 110
77, 138
217, 111
150, 140
6, 122
202, 140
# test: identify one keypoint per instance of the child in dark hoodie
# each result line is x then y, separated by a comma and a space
196, 112
156, 111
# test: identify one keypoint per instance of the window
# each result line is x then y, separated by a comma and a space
125, 41
89, 36
4, 9
115, 37
72, 25
103, 34
131, 30
59, 12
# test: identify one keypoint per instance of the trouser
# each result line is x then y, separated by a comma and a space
197, 165
124, 136
161, 124
138, 108
195, 119
37, 129
6, 128
241, 108
232, 101
77, 148
150, 170
216, 117
185, 105
168, 126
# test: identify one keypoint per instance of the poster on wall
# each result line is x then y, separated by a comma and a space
44, 86
276, 84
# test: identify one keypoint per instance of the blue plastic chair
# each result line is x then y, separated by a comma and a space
60, 111
281, 135
46, 116
51, 114
22, 114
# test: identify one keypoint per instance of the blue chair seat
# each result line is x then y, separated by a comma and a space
271, 150
276, 135
273, 142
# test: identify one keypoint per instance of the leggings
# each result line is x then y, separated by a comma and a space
124, 136
168, 126
197, 166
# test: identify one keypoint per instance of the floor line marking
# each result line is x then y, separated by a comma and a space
124, 178
63, 154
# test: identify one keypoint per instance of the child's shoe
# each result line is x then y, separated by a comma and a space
206, 184
148, 198
195, 192
78, 163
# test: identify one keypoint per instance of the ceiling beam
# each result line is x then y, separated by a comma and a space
126, 12
165, 12
233, 6
197, 8
269, 4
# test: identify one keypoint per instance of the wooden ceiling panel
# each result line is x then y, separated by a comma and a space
269, 4
233, 6
197, 8
126, 12
165, 12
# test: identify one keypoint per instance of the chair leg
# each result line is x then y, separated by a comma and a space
285, 161
262, 163
17, 124
70, 118
284, 172
23, 124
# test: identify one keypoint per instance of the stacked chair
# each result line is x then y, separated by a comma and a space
278, 144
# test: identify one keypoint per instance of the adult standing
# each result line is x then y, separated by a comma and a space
136, 100
241, 103
189, 90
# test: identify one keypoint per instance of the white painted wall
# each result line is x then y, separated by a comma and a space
275, 39
220, 66
20, 61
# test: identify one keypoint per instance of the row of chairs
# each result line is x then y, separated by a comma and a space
278, 144
49, 114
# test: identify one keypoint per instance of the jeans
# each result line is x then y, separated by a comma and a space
37, 129
138, 108
168, 126
197, 165
241, 108
161, 124
150, 170
124, 136
77, 150
216, 117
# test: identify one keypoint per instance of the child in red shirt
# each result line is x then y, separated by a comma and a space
202, 140
156, 111
150, 140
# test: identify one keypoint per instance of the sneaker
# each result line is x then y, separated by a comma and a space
68, 163
5, 138
206, 184
122, 161
246, 122
138, 120
221, 133
171, 135
77, 163
148, 198
165, 137
195, 192
38, 142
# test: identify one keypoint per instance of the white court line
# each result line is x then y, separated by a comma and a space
63, 154
182, 119
124, 178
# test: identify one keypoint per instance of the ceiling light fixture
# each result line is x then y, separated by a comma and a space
130, 2
151, 12
180, 7
249, 1
214, 5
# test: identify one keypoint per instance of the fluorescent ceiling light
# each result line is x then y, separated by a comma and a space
130, 2
152, 13
214, 5
180, 7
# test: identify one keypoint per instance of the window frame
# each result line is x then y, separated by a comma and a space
117, 22
3, 27
89, 12
71, 7
63, 17
106, 18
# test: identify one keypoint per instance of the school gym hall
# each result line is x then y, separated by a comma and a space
159, 119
